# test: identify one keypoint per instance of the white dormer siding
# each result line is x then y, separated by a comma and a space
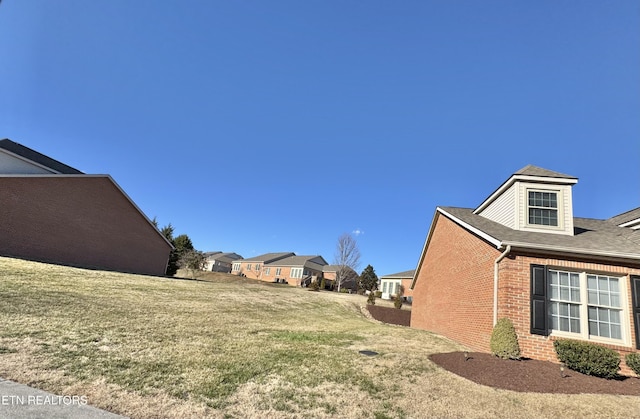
531, 202
503, 209
10, 164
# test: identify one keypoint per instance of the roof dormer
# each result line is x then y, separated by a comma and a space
532, 199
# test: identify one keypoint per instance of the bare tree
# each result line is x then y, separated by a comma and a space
347, 257
194, 261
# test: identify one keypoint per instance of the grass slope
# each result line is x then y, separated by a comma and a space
225, 347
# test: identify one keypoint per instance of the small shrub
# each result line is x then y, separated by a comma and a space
344, 290
633, 362
378, 294
588, 358
504, 340
323, 284
371, 299
397, 301
315, 286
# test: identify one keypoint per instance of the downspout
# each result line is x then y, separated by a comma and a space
495, 283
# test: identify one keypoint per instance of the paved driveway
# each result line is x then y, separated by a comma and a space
18, 401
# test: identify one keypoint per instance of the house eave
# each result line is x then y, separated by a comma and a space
569, 251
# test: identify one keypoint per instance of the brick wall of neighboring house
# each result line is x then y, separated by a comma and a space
251, 273
406, 283
82, 221
453, 295
514, 301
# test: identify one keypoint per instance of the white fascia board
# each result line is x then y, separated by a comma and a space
497, 243
527, 178
631, 224
561, 249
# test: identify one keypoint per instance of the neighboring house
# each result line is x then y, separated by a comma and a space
54, 213
330, 273
523, 255
390, 284
294, 270
220, 262
253, 267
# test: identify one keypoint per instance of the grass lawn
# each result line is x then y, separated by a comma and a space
225, 347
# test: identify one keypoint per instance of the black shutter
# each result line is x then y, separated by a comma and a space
635, 291
539, 300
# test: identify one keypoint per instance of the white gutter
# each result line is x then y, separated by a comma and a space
495, 283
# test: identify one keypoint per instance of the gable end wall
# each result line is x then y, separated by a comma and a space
453, 295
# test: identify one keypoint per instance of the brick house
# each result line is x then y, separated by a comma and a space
523, 255
294, 270
389, 284
54, 213
253, 267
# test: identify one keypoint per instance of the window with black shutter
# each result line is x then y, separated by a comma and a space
539, 300
635, 290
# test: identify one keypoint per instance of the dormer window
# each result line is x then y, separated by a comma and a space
543, 208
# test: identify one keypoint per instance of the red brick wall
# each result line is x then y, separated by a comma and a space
80, 221
453, 295
514, 294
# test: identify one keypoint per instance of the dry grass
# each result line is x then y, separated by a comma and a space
224, 347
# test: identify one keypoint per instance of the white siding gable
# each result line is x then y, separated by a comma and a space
10, 164
503, 209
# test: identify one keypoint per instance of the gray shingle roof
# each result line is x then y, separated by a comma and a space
531, 170
39, 158
269, 257
299, 261
634, 214
401, 275
591, 236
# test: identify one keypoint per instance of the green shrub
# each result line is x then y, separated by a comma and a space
397, 302
378, 294
315, 286
344, 290
633, 362
504, 340
371, 299
588, 358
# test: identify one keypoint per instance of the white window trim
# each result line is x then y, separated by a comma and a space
296, 273
559, 209
267, 271
625, 326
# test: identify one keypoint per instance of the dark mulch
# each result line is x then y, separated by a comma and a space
531, 375
390, 315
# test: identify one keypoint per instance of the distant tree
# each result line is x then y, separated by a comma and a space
174, 256
347, 257
193, 261
183, 244
368, 280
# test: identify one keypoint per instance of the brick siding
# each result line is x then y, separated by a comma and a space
82, 221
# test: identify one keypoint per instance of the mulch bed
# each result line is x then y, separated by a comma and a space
530, 375
390, 315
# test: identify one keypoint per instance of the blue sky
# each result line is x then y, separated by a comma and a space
267, 126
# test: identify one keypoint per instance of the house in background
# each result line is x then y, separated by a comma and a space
294, 270
390, 284
54, 213
330, 273
522, 255
253, 267
220, 262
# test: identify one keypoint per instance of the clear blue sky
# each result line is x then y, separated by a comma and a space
267, 126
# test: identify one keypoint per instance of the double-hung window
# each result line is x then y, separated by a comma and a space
296, 272
586, 306
543, 208
267, 271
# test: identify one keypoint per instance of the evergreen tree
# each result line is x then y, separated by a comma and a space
368, 279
